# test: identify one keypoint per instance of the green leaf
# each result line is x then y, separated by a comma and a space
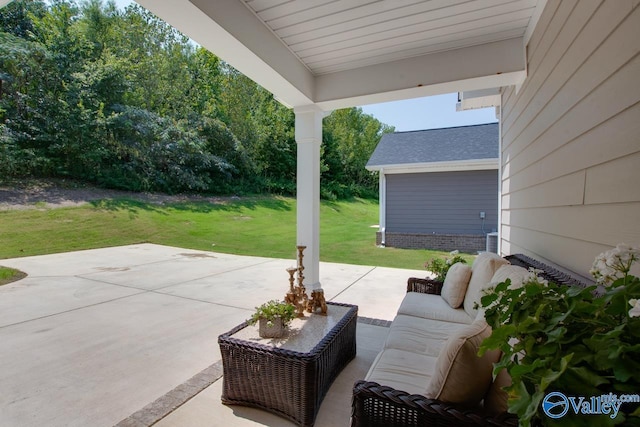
622, 372
498, 339
556, 333
548, 349
520, 401
588, 376
550, 375
488, 299
520, 370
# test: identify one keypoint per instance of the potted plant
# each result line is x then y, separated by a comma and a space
273, 317
573, 353
440, 266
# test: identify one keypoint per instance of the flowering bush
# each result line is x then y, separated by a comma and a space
568, 339
440, 266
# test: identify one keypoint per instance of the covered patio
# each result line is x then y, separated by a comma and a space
562, 76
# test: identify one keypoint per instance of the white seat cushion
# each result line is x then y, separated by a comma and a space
482, 271
455, 284
419, 335
431, 306
402, 370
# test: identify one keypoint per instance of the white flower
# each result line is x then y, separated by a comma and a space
533, 277
635, 310
614, 263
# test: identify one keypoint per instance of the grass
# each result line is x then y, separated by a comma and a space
264, 226
8, 275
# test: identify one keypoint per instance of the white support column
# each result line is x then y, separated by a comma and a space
308, 134
383, 207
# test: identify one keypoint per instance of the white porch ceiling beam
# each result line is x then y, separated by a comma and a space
479, 67
232, 32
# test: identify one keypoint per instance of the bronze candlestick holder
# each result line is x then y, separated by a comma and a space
317, 302
301, 265
293, 296
297, 295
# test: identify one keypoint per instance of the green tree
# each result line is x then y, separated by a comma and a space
349, 138
204, 91
16, 17
120, 98
274, 148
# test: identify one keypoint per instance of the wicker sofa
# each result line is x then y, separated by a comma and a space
428, 372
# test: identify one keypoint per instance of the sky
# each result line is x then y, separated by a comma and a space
438, 111
430, 112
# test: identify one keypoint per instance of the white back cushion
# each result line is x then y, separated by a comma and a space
484, 267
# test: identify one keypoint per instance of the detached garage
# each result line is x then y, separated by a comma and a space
438, 188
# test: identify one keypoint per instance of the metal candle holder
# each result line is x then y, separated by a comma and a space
297, 295
301, 265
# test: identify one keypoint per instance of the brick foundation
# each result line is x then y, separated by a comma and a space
443, 242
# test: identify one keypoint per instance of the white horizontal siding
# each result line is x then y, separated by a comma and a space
571, 136
442, 202
577, 74
602, 181
620, 131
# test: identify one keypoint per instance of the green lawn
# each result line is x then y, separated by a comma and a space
8, 275
264, 226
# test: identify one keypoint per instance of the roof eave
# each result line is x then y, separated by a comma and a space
451, 166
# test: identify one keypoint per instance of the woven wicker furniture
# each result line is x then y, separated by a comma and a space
290, 376
375, 404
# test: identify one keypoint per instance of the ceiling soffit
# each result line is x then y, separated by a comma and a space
354, 52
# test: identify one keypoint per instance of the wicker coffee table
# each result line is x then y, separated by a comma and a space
289, 376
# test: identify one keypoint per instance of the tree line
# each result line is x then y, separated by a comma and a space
121, 99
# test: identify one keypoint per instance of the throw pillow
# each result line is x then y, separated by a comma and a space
496, 400
516, 273
455, 284
482, 270
460, 375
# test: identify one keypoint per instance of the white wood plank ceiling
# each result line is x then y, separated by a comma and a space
341, 53
336, 35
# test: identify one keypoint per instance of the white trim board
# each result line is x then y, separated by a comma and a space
467, 165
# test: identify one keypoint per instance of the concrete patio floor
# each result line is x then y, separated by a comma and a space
125, 335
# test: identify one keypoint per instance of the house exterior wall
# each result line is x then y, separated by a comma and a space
426, 209
570, 136
470, 243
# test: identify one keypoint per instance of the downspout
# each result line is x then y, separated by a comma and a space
383, 207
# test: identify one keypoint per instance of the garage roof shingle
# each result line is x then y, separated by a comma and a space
437, 145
